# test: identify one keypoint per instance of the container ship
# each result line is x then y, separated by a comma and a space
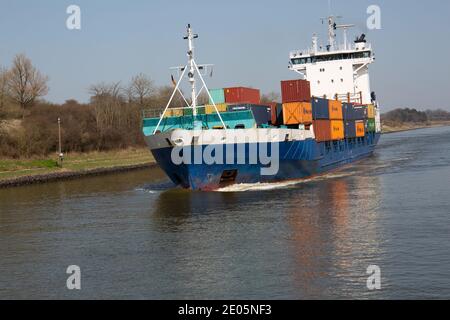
327, 118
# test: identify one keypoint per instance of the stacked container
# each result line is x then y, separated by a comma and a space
328, 120
335, 110
328, 130
261, 113
357, 120
173, 112
218, 96
360, 129
350, 129
190, 112
324, 109
221, 107
354, 112
296, 98
295, 91
242, 95
295, 113
371, 124
276, 113
371, 111
371, 127
355, 129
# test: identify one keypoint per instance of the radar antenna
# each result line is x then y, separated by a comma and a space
345, 27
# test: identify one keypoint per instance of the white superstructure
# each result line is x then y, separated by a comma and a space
337, 70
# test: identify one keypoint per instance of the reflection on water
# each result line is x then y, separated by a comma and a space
135, 236
323, 229
334, 229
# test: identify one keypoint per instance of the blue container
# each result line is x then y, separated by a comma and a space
348, 111
218, 95
320, 108
360, 112
350, 129
261, 113
352, 112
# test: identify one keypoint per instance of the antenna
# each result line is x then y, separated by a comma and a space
345, 27
331, 30
190, 37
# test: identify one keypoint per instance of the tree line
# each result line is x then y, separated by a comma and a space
110, 120
407, 115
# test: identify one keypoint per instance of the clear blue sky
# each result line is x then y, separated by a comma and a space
248, 41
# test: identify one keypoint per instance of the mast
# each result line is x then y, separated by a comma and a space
190, 37
194, 70
331, 32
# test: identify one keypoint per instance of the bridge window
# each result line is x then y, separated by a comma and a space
332, 57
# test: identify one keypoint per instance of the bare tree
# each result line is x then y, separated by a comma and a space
107, 100
159, 100
203, 98
270, 97
140, 89
26, 83
4, 89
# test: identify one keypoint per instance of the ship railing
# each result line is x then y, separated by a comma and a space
341, 47
349, 97
152, 113
158, 112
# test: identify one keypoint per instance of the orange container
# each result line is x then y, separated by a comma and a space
335, 107
307, 115
371, 111
360, 129
291, 113
329, 130
337, 130
297, 113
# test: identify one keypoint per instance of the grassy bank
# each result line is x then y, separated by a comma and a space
84, 163
391, 128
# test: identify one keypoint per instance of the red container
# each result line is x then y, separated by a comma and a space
295, 91
242, 95
276, 113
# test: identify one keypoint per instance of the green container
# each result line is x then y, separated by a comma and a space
218, 95
190, 112
371, 125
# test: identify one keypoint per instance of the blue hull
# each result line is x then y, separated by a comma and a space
297, 160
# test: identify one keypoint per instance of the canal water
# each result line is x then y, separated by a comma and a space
136, 237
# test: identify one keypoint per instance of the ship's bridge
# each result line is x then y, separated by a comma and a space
309, 56
336, 71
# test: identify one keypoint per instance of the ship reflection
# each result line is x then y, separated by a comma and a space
335, 235
173, 208
320, 236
